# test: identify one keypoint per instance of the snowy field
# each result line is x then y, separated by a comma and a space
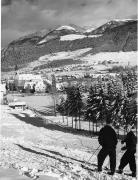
45, 107
64, 55
123, 58
39, 102
72, 37
117, 58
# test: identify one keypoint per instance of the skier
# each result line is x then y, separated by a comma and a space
108, 140
129, 155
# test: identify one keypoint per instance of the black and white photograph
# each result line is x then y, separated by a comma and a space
68, 90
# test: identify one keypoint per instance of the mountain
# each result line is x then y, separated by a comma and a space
114, 36
78, 28
109, 25
57, 33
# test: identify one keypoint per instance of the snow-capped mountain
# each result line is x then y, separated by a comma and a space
65, 28
114, 36
57, 33
109, 25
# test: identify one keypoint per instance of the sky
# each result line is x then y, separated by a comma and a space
21, 17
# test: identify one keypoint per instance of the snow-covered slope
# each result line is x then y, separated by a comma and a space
72, 37
89, 30
122, 58
64, 55
123, 20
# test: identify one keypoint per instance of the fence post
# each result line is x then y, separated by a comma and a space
96, 125
93, 127
89, 125
67, 119
79, 122
72, 121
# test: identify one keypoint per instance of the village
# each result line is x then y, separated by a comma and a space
41, 82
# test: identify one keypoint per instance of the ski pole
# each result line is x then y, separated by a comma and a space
91, 156
94, 153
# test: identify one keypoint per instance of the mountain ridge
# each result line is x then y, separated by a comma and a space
113, 36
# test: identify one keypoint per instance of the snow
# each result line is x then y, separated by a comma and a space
123, 58
43, 41
64, 55
17, 104
66, 27
48, 81
55, 156
123, 20
72, 37
3, 88
89, 30
95, 36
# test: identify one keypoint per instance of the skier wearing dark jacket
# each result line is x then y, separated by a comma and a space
108, 140
129, 155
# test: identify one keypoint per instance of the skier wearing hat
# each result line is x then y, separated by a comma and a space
108, 140
129, 155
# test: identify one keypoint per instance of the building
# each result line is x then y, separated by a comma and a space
2, 92
40, 87
29, 84
28, 77
59, 86
26, 81
18, 105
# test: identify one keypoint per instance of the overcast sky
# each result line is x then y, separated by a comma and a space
20, 17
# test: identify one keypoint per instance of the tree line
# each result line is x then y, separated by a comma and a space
115, 98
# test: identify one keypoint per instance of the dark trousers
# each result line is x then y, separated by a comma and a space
128, 158
103, 154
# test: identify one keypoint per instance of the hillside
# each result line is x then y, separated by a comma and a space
109, 25
33, 151
114, 36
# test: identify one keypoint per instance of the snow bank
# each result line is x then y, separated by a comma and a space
123, 58
63, 55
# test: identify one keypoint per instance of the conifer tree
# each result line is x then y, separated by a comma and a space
61, 107
90, 113
74, 102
